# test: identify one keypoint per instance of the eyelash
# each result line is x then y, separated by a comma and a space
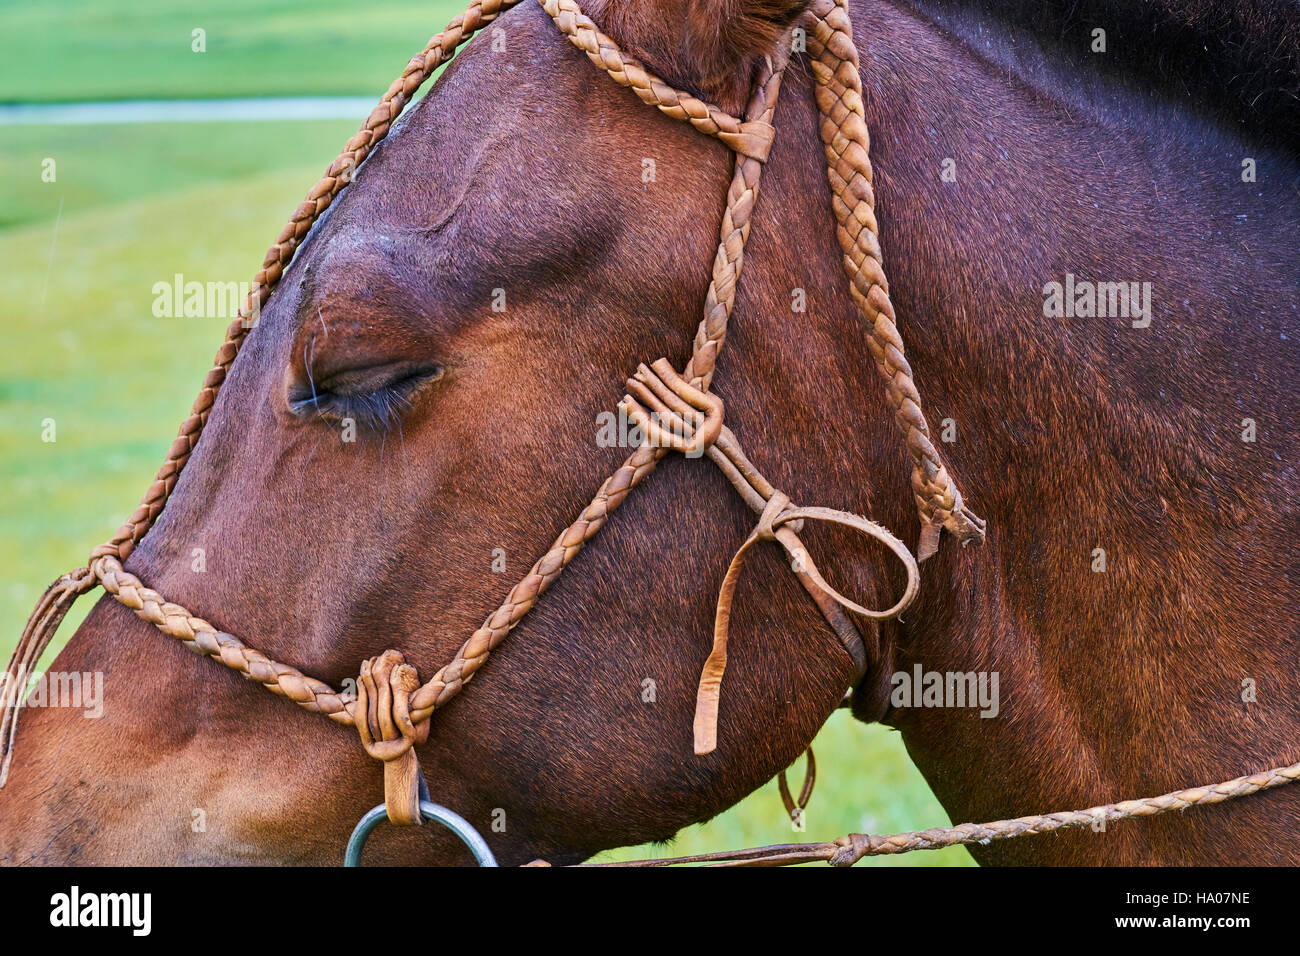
377, 409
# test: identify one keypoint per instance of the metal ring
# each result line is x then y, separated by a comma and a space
428, 811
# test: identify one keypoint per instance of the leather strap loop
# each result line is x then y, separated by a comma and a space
795, 808
773, 524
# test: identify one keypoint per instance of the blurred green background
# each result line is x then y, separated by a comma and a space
135, 203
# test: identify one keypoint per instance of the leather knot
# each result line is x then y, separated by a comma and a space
671, 411
753, 139
852, 848
772, 517
382, 715
383, 707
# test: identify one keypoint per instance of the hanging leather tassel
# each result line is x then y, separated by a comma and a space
41, 627
795, 808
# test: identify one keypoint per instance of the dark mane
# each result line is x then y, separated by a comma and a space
1241, 58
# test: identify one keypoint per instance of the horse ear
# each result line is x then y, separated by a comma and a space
707, 46
723, 34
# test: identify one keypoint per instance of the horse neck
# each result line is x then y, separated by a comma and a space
1079, 434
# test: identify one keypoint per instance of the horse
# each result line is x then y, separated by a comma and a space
472, 303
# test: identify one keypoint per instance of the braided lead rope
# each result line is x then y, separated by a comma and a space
850, 849
848, 166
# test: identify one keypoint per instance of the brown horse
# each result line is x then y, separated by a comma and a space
474, 302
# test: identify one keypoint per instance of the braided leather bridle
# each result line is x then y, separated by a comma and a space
391, 709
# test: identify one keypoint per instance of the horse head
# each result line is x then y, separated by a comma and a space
429, 397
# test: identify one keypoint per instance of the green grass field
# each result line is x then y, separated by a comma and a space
133, 204
143, 49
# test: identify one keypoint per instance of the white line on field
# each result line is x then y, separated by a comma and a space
252, 109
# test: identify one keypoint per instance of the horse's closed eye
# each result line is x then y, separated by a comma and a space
374, 396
